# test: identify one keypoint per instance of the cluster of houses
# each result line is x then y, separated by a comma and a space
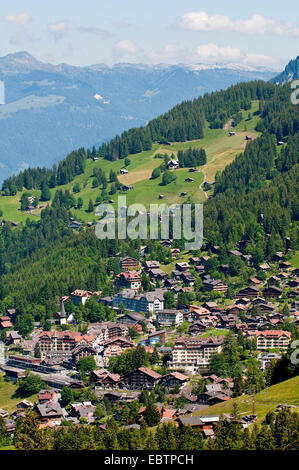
254, 312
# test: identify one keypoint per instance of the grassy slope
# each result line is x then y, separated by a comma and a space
221, 150
8, 401
267, 400
295, 260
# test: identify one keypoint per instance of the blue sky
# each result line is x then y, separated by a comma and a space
84, 32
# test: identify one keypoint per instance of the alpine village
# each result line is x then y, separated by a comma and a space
122, 344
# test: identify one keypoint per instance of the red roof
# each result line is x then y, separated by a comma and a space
273, 333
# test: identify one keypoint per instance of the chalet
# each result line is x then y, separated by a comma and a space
45, 396
3, 413
82, 350
235, 253
170, 283
200, 269
278, 256
272, 292
215, 285
50, 412
211, 306
293, 294
244, 301
199, 312
75, 225
223, 268
227, 321
5, 323
13, 337
285, 265
257, 301
124, 171
249, 291
83, 410
151, 265
157, 274
140, 379
194, 260
122, 342
174, 252
24, 405
104, 379
173, 379
173, 165
247, 258
189, 180
248, 138
294, 283
254, 281
235, 309
188, 278
131, 318
232, 133
129, 280
182, 267
218, 398
197, 327
127, 187
111, 351
128, 263
265, 308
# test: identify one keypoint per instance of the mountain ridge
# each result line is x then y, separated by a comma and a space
96, 103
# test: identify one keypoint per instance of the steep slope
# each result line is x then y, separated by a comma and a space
291, 72
50, 110
267, 400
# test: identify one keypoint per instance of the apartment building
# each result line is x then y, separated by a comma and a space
194, 353
149, 303
271, 339
170, 317
61, 341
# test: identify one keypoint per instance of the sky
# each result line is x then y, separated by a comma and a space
85, 32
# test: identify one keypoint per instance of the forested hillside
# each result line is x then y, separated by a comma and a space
255, 199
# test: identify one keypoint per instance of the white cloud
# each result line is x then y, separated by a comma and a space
168, 52
256, 24
98, 97
19, 19
214, 53
92, 30
58, 29
125, 47
260, 60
